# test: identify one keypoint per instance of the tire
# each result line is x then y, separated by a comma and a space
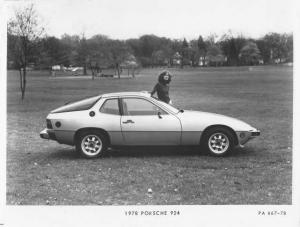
218, 141
91, 144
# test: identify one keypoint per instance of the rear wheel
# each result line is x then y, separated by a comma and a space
91, 144
218, 141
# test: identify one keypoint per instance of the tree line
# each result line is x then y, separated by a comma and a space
28, 45
151, 50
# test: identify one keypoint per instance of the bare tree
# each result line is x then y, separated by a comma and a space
25, 28
98, 52
118, 53
83, 53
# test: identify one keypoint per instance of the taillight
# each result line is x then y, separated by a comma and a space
49, 125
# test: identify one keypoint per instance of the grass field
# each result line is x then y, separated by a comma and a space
43, 172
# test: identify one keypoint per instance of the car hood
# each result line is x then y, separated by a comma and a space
214, 119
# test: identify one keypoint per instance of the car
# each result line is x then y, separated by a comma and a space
136, 119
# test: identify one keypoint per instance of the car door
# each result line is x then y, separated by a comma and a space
109, 120
144, 123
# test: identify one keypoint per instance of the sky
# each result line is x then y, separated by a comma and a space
174, 19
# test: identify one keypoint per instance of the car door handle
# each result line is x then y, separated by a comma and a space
128, 121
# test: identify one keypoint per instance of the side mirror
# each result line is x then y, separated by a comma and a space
159, 115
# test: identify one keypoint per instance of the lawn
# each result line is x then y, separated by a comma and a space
41, 172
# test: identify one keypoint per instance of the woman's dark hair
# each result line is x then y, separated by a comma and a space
162, 77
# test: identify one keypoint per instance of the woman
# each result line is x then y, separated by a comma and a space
162, 87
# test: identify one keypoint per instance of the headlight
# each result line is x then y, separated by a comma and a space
49, 124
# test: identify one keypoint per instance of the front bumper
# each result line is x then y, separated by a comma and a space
245, 136
255, 133
47, 134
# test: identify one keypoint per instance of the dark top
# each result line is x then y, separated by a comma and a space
162, 92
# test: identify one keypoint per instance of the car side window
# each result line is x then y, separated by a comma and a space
136, 106
110, 106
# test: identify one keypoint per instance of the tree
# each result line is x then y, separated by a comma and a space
118, 52
70, 44
194, 53
289, 48
83, 53
51, 52
135, 45
11, 51
202, 49
231, 47
158, 57
264, 50
166, 47
279, 45
214, 55
176, 48
250, 54
184, 52
131, 65
24, 26
97, 53
275, 47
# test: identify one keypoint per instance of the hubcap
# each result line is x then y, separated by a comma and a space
91, 145
218, 143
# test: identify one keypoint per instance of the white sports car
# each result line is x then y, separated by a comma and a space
136, 118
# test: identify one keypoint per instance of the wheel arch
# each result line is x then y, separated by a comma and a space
236, 141
102, 131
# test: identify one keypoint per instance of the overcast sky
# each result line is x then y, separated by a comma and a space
174, 19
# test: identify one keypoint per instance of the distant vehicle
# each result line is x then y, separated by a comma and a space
76, 69
135, 118
28, 68
56, 68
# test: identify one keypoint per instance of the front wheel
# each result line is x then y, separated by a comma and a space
218, 141
91, 144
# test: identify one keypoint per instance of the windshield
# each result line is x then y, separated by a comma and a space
168, 106
84, 104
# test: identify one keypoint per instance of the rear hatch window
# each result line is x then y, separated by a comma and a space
84, 104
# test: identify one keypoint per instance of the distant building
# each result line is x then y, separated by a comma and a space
176, 59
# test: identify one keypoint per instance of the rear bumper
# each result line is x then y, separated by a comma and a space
47, 134
60, 136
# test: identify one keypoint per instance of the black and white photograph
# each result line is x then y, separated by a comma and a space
149, 113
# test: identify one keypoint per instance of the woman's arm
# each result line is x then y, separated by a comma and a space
154, 90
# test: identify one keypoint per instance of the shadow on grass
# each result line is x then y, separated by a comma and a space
71, 154
246, 151
66, 153
154, 151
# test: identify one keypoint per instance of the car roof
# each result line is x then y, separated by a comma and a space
120, 94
